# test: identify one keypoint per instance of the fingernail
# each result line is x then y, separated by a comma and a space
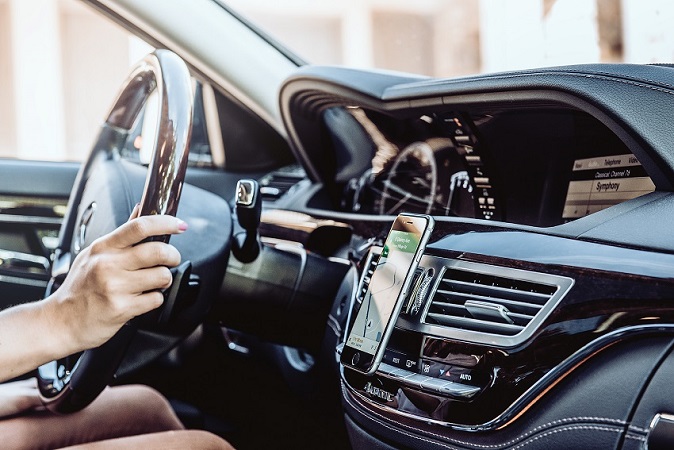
182, 226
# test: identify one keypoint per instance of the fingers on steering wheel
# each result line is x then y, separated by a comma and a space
135, 212
145, 302
144, 227
150, 279
151, 254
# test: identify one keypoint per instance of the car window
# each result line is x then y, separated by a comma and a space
451, 38
139, 150
61, 66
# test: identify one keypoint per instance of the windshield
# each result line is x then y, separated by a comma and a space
446, 38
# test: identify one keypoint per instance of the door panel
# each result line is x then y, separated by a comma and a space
33, 196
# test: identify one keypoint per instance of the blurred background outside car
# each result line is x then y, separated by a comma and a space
61, 63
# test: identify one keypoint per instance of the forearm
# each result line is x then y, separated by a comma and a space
31, 335
110, 282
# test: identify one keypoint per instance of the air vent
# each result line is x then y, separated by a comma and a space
486, 301
367, 274
276, 184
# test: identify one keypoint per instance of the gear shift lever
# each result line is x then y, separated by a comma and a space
246, 245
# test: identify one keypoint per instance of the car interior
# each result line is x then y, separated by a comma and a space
536, 317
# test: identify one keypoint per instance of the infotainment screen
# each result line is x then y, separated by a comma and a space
600, 182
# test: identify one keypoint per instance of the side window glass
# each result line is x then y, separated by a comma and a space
135, 148
61, 65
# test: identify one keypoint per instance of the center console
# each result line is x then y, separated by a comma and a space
480, 339
429, 366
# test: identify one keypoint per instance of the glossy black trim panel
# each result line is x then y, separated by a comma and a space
618, 292
518, 407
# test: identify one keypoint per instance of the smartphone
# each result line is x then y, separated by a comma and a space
389, 285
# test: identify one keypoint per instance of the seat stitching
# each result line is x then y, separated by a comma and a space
635, 437
569, 428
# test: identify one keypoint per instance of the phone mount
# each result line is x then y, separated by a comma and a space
248, 209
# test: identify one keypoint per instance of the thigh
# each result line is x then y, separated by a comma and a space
117, 412
168, 440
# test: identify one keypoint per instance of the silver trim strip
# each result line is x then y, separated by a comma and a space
23, 281
534, 393
23, 261
213, 125
39, 220
430, 384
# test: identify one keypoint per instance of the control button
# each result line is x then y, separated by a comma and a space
434, 385
446, 388
460, 375
456, 374
401, 374
434, 369
386, 369
395, 358
429, 384
411, 364
417, 380
355, 358
457, 390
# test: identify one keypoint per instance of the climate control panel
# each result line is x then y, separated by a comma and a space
457, 323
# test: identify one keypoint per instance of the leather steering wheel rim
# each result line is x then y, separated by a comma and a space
70, 384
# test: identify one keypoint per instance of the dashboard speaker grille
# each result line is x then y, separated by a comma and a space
488, 302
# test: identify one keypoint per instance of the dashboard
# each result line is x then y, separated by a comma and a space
541, 313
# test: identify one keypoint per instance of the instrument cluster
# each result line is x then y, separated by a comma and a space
533, 167
431, 164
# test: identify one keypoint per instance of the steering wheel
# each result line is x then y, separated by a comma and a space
102, 199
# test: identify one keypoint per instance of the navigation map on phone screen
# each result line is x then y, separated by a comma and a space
387, 282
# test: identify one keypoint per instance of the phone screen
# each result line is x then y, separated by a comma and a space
385, 291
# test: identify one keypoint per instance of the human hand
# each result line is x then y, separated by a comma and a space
114, 280
19, 396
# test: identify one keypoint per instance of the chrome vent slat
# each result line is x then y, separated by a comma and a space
488, 327
513, 305
445, 308
520, 319
487, 299
515, 294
